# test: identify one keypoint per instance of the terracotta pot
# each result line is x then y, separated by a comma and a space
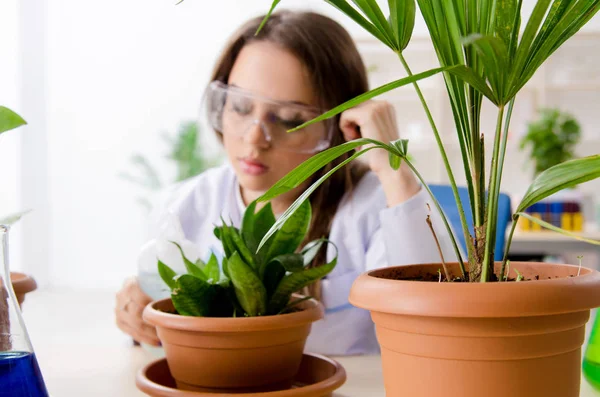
233, 354
22, 284
517, 339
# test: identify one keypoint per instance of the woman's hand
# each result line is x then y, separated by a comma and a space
377, 120
131, 301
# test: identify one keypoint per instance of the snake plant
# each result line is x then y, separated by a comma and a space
250, 282
484, 55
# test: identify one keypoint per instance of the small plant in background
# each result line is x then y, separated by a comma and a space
185, 152
552, 138
250, 283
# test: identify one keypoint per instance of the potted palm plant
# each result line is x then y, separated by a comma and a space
239, 326
478, 327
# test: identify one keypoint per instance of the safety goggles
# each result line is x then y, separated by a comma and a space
234, 111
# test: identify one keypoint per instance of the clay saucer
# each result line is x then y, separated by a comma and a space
22, 284
318, 376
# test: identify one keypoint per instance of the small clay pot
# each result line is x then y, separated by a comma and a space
220, 355
22, 284
517, 339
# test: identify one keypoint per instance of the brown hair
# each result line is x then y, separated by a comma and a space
337, 74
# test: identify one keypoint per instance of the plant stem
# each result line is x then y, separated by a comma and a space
461, 211
439, 247
510, 236
492, 205
441, 212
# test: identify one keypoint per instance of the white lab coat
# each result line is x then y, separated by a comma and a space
368, 235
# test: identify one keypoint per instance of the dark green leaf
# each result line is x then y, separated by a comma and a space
225, 266
226, 239
240, 247
557, 229
272, 276
190, 266
292, 232
373, 93
293, 304
167, 274
193, 297
290, 262
212, 269
254, 227
296, 281
505, 19
565, 175
9, 120
249, 290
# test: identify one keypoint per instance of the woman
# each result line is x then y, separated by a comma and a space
299, 65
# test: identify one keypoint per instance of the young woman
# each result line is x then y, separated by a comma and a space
300, 65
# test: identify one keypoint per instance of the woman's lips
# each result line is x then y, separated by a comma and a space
253, 167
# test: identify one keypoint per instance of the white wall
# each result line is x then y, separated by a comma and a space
112, 75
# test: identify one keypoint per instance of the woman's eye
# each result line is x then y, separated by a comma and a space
289, 124
241, 107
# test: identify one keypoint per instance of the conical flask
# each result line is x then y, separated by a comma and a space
20, 375
591, 359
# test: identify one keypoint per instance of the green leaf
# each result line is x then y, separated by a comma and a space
505, 19
225, 266
372, 11
290, 262
272, 276
224, 232
249, 290
212, 269
556, 229
167, 274
302, 172
494, 55
296, 281
240, 247
266, 18
310, 251
11, 219
9, 120
190, 266
282, 188
292, 232
468, 76
373, 93
254, 227
193, 296
350, 12
293, 304
402, 20
565, 175
394, 161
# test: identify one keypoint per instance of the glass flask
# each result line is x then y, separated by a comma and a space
20, 374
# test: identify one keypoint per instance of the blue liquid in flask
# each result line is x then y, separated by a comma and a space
20, 375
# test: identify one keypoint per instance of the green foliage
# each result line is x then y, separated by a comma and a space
251, 281
185, 153
551, 138
9, 120
483, 55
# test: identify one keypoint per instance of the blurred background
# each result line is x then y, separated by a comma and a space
112, 93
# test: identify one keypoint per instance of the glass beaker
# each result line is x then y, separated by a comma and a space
20, 375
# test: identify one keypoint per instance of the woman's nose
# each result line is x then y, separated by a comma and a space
257, 135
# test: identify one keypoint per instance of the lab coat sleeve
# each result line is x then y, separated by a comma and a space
406, 237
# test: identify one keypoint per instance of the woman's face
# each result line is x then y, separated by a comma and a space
268, 71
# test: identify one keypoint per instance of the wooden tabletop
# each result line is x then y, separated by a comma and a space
82, 353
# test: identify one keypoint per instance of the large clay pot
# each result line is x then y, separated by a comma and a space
22, 284
517, 339
233, 354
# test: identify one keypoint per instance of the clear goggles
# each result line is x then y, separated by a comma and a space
234, 111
